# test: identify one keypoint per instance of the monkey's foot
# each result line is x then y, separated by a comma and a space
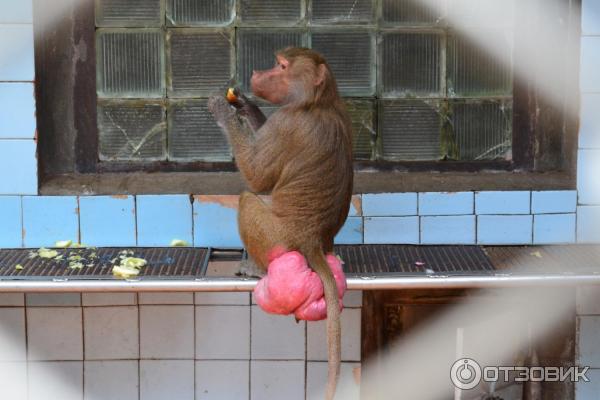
248, 268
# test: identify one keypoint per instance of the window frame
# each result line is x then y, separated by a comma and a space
544, 137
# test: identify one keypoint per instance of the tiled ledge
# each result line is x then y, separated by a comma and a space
521, 217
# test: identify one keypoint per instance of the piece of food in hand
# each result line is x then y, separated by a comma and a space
232, 96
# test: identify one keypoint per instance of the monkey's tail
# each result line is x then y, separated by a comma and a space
318, 262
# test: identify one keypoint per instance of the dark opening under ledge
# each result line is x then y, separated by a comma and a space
368, 267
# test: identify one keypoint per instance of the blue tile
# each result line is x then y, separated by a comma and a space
590, 59
504, 229
437, 203
392, 230
16, 53
510, 203
588, 224
590, 17
47, 219
107, 220
448, 230
215, 222
10, 215
554, 202
17, 110
390, 204
160, 219
554, 228
589, 129
588, 184
351, 232
588, 390
19, 11
18, 167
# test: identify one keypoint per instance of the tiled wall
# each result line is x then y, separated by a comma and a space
588, 211
402, 218
18, 164
588, 337
588, 225
164, 346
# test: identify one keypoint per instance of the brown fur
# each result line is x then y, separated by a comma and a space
302, 155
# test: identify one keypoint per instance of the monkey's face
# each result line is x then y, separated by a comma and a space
273, 84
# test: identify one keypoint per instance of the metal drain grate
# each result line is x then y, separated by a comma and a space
414, 260
546, 259
163, 263
359, 260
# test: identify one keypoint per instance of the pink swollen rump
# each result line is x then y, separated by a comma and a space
291, 287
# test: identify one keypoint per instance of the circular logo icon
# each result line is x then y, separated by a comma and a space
465, 373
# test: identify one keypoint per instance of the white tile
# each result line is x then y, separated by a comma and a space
588, 300
353, 298
588, 348
13, 380
53, 299
109, 299
223, 332
348, 387
12, 334
54, 333
276, 337
167, 298
167, 331
114, 380
317, 338
12, 299
55, 380
222, 298
222, 380
164, 380
111, 333
276, 380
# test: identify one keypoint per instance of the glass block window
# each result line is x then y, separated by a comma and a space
417, 88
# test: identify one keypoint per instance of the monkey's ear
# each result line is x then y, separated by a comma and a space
321, 74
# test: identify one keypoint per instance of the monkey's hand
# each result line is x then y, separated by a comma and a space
220, 108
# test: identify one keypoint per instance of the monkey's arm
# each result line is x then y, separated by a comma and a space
255, 157
248, 109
